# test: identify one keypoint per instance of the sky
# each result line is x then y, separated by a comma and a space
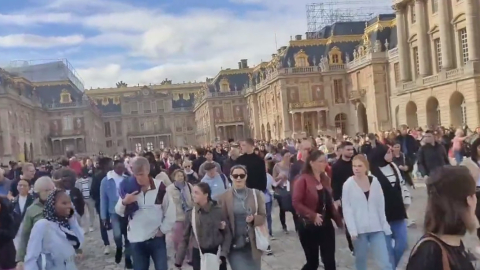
146, 41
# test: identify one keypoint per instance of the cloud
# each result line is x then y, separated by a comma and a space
36, 41
185, 45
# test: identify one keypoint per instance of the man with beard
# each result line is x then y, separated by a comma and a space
341, 171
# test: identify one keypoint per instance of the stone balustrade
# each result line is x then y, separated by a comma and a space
308, 104
442, 77
393, 52
356, 94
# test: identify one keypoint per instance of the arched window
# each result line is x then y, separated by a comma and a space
341, 123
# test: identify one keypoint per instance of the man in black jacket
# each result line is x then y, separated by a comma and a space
431, 155
341, 171
257, 172
408, 144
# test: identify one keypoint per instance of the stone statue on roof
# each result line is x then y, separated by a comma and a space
323, 63
347, 57
387, 45
378, 46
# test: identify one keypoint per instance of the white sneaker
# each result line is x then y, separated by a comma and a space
106, 251
91, 229
411, 223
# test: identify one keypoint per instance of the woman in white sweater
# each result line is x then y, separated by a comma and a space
364, 213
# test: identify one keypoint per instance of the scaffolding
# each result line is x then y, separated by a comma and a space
49, 70
326, 13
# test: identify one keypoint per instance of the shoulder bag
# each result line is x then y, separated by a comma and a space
208, 261
261, 232
445, 256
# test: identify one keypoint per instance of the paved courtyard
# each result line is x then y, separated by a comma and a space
288, 254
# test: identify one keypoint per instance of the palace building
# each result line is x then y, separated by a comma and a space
419, 66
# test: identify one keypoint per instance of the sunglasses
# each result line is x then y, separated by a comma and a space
239, 176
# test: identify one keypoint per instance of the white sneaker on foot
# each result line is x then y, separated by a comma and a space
106, 250
91, 229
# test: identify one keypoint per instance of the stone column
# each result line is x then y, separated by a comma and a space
404, 61
445, 35
318, 120
473, 38
293, 122
423, 41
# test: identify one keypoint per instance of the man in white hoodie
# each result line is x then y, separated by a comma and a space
109, 196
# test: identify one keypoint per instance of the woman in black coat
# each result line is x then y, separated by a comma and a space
7, 234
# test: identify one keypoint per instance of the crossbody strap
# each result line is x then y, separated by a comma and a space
256, 202
194, 227
445, 257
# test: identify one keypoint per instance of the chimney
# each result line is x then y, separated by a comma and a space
244, 63
298, 37
239, 65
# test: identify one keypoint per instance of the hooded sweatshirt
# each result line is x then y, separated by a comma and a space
218, 184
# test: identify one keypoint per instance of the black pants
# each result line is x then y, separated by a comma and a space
347, 234
477, 211
196, 258
282, 214
318, 238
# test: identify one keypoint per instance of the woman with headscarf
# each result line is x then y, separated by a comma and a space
397, 197
58, 235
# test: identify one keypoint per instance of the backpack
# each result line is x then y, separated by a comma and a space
224, 179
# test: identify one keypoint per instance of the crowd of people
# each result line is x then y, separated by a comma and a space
215, 203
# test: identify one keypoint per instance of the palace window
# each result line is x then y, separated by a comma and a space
341, 123
118, 127
301, 59
416, 60
335, 56
138, 147
67, 122
338, 91
65, 97
134, 107
396, 70
160, 107
119, 143
147, 107
162, 145
149, 146
108, 131
224, 85
434, 6
109, 143
438, 52
439, 117
464, 44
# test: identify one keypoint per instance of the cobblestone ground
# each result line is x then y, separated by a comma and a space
288, 254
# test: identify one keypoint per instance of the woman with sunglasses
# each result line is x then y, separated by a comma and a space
313, 202
244, 213
192, 176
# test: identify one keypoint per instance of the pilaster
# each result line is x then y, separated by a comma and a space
472, 19
446, 37
423, 41
405, 74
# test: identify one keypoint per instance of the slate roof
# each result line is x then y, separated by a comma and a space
237, 82
51, 93
387, 33
110, 107
183, 102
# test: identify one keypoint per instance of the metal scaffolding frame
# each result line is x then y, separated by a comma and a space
326, 13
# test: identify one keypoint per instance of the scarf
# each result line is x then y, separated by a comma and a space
49, 212
185, 191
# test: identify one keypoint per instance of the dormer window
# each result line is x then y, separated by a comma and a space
224, 85
105, 101
335, 56
301, 59
65, 97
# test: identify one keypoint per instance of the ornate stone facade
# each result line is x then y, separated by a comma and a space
44, 116
146, 117
434, 71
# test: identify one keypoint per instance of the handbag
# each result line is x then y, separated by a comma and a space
285, 198
208, 261
261, 232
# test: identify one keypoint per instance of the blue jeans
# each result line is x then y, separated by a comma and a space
268, 207
377, 246
458, 156
399, 234
119, 228
155, 248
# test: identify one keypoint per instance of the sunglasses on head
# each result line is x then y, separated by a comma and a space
239, 176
